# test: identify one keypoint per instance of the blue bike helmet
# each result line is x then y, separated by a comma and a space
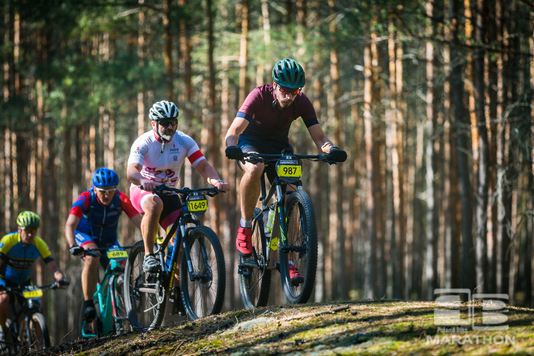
105, 177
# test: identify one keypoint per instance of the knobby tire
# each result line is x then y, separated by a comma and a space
122, 323
255, 281
205, 295
143, 308
38, 330
301, 235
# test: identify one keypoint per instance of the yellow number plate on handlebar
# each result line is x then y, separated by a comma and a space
196, 206
37, 293
289, 170
117, 254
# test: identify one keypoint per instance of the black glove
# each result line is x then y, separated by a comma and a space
76, 250
337, 155
234, 152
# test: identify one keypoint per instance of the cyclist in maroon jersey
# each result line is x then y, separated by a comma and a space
262, 125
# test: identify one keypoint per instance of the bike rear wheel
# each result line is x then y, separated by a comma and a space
300, 248
255, 278
38, 332
144, 295
204, 295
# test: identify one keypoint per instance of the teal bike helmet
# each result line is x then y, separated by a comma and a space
288, 73
28, 219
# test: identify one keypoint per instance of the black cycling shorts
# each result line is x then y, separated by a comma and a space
248, 144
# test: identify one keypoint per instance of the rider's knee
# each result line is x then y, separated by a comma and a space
255, 171
4, 299
153, 205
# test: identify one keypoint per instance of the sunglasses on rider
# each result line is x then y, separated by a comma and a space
105, 191
286, 90
167, 122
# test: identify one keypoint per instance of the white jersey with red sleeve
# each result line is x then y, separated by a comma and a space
164, 167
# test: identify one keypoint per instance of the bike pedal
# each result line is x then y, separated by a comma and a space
244, 271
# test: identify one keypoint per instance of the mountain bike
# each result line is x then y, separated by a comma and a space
285, 204
111, 317
26, 328
202, 272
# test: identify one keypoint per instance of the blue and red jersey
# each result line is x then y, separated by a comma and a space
101, 221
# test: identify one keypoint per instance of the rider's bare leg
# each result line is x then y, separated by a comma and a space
152, 206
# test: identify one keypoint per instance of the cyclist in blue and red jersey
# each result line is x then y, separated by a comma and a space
18, 252
262, 125
92, 223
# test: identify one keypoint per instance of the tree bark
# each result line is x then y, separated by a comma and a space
462, 141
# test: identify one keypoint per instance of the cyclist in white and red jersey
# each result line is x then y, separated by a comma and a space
156, 157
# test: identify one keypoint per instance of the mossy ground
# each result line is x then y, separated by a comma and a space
386, 327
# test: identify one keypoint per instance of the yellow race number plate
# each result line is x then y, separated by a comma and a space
117, 254
197, 206
286, 170
37, 293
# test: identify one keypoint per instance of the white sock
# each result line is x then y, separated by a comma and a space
245, 223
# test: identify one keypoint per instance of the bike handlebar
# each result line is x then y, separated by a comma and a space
254, 157
212, 191
93, 251
21, 289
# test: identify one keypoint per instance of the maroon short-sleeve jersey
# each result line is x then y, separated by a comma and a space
266, 121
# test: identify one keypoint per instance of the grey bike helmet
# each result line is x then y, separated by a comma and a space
288, 73
163, 110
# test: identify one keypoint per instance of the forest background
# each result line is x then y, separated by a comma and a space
432, 100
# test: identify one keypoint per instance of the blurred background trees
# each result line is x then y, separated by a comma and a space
432, 100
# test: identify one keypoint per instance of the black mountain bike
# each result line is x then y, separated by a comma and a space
202, 269
27, 329
285, 204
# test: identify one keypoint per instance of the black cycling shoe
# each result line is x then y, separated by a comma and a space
89, 310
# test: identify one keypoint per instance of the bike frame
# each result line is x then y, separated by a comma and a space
179, 230
14, 328
107, 303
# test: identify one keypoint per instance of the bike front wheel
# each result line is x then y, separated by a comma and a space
203, 289
122, 322
144, 294
254, 277
39, 337
299, 250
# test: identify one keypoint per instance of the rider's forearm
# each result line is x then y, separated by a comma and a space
133, 173
327, 146
231, 141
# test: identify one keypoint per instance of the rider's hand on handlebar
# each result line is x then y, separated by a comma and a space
61, 283
337, 155
148, 185
76, 250
234, 152
222, 186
